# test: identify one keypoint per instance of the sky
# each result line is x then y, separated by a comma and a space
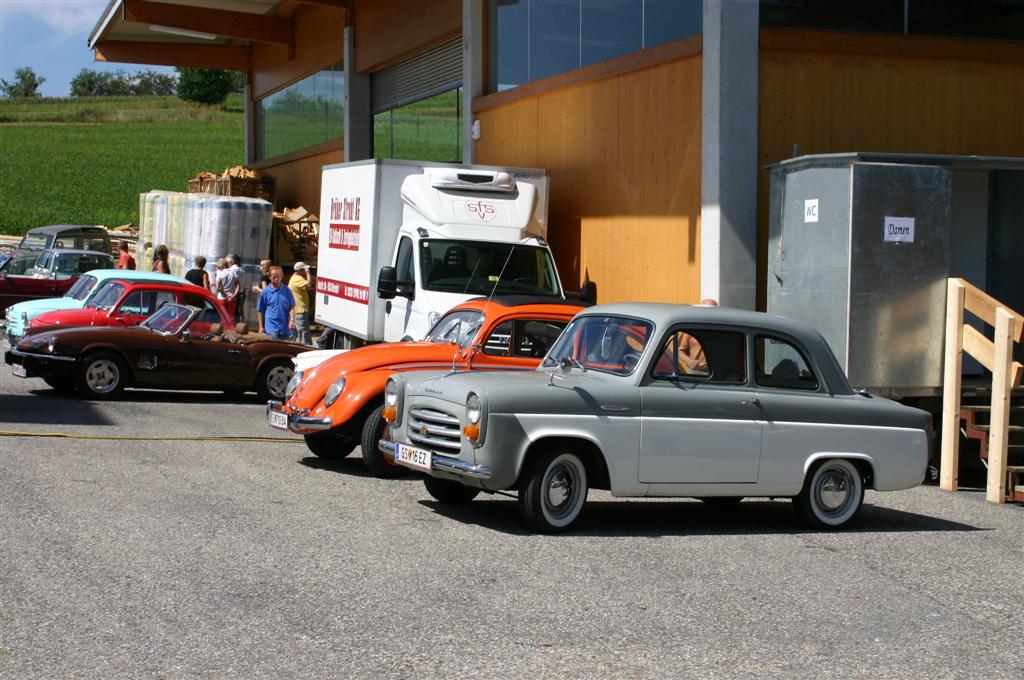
51, 36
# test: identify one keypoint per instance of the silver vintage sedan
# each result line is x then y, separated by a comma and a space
660, 400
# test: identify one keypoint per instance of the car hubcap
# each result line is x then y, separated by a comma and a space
277, 380
834, 490
102, 376
562, 489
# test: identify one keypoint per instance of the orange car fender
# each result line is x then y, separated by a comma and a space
361, 389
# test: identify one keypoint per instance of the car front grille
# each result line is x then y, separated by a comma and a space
435, 429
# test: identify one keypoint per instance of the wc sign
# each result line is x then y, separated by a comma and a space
899, 229
811, 210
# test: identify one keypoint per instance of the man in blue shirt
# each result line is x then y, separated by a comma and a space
276, 307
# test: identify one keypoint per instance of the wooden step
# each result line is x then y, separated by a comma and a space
987, 428
988, 407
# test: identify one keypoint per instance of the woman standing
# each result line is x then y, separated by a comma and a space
160, 264
198, 274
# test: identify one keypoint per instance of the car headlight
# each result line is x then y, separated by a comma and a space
51, 344
391, 394
292, 384
393, 400
473, 409
334, 391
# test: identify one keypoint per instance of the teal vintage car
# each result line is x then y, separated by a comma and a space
78, 296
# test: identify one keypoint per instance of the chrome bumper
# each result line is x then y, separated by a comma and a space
39, 355
440, 463
299, 424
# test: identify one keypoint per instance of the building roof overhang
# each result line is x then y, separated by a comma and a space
200, 33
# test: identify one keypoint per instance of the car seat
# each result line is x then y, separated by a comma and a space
453, 265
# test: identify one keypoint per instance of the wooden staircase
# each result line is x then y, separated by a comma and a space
975, 414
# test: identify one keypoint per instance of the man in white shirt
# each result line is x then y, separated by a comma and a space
229, 284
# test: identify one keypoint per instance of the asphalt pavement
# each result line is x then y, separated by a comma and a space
217, 559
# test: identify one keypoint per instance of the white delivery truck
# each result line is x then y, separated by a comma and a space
402, 242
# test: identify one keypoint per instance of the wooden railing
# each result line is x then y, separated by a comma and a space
995, 355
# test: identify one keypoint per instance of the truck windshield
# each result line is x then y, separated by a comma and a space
35, 241
480, 267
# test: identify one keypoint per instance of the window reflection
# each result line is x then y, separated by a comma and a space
427, 130
533, 39
303, 114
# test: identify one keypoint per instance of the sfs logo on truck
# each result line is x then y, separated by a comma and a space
344, 236
485, 211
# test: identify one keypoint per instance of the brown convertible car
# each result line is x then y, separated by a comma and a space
172, 350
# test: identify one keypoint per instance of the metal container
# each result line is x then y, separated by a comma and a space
860, 249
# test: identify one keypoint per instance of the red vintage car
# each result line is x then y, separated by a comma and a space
338, 404
33, 274
128, 303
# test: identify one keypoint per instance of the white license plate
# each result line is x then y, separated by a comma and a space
277, 419
19, 370
412, 457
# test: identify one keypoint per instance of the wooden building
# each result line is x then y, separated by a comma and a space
655, 118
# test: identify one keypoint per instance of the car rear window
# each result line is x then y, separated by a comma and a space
779, 363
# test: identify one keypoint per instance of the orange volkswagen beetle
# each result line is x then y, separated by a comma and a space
337, 404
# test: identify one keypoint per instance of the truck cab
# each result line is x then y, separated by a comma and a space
405, 242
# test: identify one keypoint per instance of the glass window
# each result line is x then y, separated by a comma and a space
781, 364
485, 267
426, 130
303, 114
98, 244
45, 261
21, 264
145, 302
83, 286
839, 15
35, 241
523, 338
459, 327
707, 355
610, 344
533, 39
107, 295
404, 272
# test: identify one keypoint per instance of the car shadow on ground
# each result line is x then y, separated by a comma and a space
133, 396
690, 518
16, 410
350, 465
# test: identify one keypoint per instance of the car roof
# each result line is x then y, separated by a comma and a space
521, 301
665, 315
134, 275
61, 228
155, 285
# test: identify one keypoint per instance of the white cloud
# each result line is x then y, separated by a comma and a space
65, 17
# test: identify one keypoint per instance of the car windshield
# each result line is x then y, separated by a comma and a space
611, 344
107, 296
458, 327
35, 241
483, 267
168, 320
83, 286
21, 264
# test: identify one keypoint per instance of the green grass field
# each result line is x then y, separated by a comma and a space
86, 160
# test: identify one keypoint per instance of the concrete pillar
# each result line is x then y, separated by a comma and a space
728, 257
358, 119
473, 28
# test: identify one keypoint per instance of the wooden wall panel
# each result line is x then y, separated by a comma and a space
388, 30
298, 182
319, 42
624, 158
881, 100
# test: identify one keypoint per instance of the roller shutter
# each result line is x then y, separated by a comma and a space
437, 70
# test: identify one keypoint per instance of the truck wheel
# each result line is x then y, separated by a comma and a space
553, 491
102, 375
273, 379
373, 431
832, 495
328, 445
448, 492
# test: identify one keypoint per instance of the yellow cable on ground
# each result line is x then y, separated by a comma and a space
114, 437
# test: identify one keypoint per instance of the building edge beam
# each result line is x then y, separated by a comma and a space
473, 28
173, 54
729, 103
358, 128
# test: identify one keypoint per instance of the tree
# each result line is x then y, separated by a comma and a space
26, 83
203, 85
153, 83
89, 83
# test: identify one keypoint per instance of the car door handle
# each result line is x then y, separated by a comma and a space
610, 407
234, 351
753, 400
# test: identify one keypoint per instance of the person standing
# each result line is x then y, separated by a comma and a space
124, 258
227, 285
160, 264
276, 308
198, 274
257, 288
299, 285
233, 263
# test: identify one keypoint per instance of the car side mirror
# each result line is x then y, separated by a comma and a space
387, 283
186, 336
588, 292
